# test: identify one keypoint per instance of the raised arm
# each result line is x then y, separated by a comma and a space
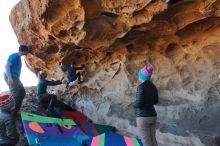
53, 83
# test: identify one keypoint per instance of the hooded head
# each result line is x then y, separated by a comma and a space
6, 103
145, 73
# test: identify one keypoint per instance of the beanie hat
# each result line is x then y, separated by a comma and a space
6, 103
145, 73
23, 48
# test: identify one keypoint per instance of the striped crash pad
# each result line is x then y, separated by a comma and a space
112, 139
43, 129
59, 107
86, 125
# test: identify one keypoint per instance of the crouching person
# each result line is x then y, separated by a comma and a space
44, 98
8, 132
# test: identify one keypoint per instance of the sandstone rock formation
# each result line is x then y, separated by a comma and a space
114, 38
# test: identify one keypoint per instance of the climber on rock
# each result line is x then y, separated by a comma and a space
72, 73
43, 97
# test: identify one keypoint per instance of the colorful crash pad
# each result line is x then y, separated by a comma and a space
86, 125
39, 127
104, 128
76, 116
43, 119
91, 129
51, 129
58, 108
112, 139
58, 141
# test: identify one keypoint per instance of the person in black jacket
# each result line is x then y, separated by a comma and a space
146, 97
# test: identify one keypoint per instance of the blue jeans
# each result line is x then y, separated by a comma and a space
18, 93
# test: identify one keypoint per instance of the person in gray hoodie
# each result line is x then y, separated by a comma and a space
8, 132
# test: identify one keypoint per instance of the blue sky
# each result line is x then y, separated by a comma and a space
10, 45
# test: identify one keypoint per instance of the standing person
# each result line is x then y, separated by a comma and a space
43, 97
146, 116
8, 132
12, 76
72, 75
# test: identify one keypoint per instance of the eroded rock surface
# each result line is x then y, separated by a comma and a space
114, 39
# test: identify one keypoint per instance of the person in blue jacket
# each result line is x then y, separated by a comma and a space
146, 115
45, 98
12, 76
72, 73
8, 132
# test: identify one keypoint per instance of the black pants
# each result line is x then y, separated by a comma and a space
47, 100
18, 92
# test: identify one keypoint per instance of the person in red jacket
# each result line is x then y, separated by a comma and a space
146, 116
